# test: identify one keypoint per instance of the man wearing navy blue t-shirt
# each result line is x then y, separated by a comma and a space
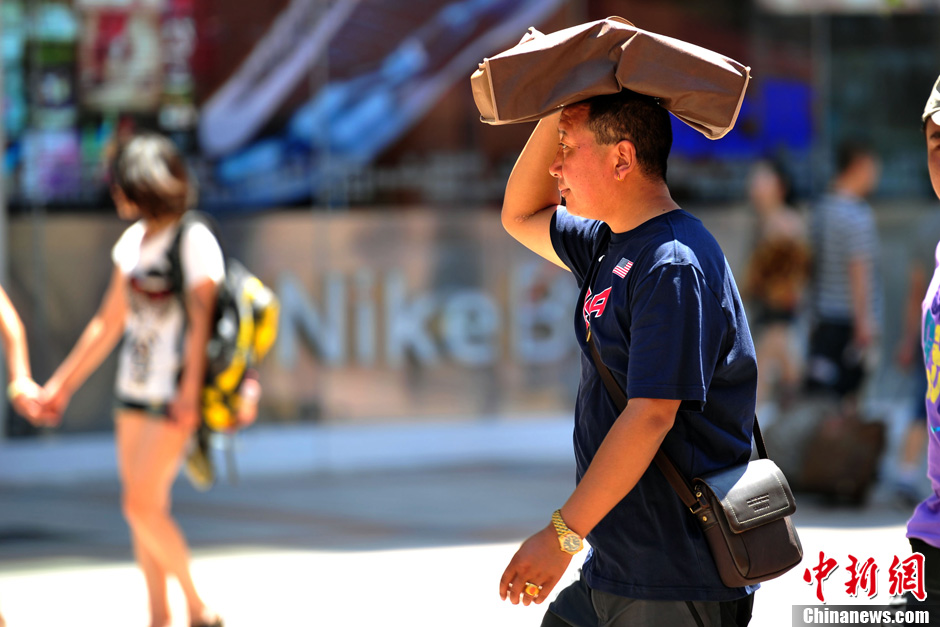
664, 312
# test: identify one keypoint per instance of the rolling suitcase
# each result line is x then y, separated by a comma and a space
841, 459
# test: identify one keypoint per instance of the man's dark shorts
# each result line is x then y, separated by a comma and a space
834, 365
580, 606
931, 573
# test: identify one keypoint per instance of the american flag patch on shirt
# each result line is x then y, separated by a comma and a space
623, 267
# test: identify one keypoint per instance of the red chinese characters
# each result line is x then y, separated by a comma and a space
904, 576
907, 576
822, 572
862, 575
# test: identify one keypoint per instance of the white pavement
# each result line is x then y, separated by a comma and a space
428, 586
358, 529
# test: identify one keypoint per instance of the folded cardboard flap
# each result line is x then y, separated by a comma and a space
483, 93
545, 72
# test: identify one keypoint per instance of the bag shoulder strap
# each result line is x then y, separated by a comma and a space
189, 218
678, 482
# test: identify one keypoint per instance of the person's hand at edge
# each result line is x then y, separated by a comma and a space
185, 409
539, 561
27, 399
55, 398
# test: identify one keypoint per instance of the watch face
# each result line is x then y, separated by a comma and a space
570, 543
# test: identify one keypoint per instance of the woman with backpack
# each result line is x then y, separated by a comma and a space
162, 361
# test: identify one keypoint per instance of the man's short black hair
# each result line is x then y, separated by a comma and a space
849, 151
627, 115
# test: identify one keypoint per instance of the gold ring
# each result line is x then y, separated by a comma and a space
532, 590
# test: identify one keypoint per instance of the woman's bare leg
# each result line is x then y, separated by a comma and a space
158, 451
775, 362
130, 438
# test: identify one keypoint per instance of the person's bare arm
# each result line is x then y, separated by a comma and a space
532, 193
623, 457
23, 391
910, 331
14, 340
200, 309
96, 342
859, 288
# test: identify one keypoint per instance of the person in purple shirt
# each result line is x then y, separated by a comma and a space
923, 529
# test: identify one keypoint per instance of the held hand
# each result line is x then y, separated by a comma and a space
538, 561
54, 400
27, 398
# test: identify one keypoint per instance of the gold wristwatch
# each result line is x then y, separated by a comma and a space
569, 541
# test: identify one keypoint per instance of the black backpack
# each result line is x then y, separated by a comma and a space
244, 329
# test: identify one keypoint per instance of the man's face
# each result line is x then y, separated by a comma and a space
933, 152
585, 170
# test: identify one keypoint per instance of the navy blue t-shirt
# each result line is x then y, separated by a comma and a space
667, 319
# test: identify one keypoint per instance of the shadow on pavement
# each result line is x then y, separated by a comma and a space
342, 512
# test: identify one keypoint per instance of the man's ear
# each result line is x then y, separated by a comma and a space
626, 159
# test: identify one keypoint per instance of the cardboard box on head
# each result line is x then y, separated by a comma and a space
544, 72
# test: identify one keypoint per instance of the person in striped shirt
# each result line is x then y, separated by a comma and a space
845, 293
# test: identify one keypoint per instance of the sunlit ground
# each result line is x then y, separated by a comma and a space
450, 585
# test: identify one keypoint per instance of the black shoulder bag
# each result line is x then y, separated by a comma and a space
744, 511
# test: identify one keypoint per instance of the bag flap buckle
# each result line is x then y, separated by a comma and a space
701, 502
